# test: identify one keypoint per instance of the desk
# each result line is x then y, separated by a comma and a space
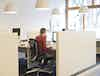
26, 50
51, 44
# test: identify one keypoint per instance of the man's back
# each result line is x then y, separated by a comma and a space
41, 40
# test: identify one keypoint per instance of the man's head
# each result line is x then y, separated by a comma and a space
42, 30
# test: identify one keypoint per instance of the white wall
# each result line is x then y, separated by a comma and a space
28, 15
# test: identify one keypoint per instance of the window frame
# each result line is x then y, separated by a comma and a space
67, 8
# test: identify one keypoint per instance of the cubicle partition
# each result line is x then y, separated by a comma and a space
8, 55
75, 51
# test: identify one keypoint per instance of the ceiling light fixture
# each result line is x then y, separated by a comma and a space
8, 8
41, 4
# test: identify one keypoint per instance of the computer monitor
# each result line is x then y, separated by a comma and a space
16, 30
51, 36
54, 36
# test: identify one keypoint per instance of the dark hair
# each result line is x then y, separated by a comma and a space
42, 30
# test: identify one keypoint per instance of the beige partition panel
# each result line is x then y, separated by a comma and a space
8, 55
75, 51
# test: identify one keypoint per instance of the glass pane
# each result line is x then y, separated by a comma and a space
92, 18
73, 3
97, 2
87, 2
74, 20
98, 17
92, 21
57, 23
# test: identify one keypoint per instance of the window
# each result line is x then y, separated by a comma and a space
75, 3
91, 19
97, 2
74, 20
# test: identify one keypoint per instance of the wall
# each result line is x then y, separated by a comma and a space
28, 15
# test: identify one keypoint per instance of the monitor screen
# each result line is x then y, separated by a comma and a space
49, 36
54, 36
16, 30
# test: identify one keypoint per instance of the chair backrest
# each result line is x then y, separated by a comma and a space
33, 48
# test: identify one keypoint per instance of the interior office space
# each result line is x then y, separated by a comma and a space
72, 32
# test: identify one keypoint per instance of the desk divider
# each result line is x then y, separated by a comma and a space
75, 51
8, 55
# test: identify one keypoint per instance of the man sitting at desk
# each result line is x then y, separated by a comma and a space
41, 40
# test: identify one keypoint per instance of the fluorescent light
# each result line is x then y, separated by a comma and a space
42, 8
9, 12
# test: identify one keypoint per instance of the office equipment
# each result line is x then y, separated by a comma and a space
16, 30
54, 36
49, 36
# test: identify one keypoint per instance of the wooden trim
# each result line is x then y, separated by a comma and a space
73, 8
94, 6
77, 8
57, 55
66, 12
91, 6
